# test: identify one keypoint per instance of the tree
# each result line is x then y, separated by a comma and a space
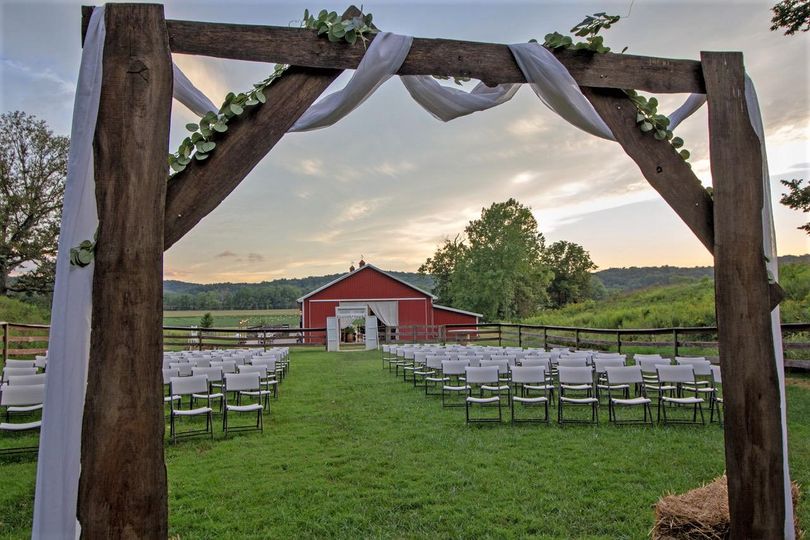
33, 167
442, 265
571, 266
501, 274
792, 16
207, 321
797, 198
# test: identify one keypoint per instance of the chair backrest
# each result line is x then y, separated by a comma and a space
624, 375
600, 364
12, 372
181, 386
575, 375
690, 359
214, 374
501, 365
533, 361
228, 366
236, 382
17, 396
269, 363
20, 363
168, 373
573, 361
201, 362
27, 380
529, 374
183, 368
454, 367
650, 365
434, 361
41, 362
702, 369
261, 370
684, 373
482, 375
717, 377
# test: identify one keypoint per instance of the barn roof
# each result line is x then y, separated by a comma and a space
454, 310
350, 274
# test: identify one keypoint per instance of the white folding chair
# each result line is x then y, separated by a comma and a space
11, 363
484, 379
716, 403
528, 379
20, 399
454, 371
192, 386
13, 372
621, 379
214, 375
240, 384
27, 380
577, 387
672, 382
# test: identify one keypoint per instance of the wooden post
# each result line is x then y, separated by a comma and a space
6, 330
675, 340
753, 425
520, 335
545, 337
122, 489
500, 335
618, 341
576, 338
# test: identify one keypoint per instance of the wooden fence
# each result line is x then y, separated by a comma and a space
27, 340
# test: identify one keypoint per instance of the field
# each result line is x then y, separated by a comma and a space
233, 318
350, 451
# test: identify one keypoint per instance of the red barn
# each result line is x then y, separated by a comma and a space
394, 302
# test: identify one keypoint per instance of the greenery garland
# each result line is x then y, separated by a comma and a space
647, 117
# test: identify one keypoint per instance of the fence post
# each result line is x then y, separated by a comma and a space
619, 341
520, 335
6, 330
675, 340
545, 337
576, 338
264, 338
500, 335
200, 339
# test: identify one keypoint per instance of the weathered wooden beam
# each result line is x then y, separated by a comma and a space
122, 489
659, 162
489, 62
753, 426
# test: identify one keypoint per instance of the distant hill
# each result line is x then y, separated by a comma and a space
633, 278
282, 293
279, 293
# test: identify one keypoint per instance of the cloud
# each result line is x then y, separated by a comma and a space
255, 257
225, 254
524, 177
62, 86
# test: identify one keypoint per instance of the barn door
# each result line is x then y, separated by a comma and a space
371, 332
332, 334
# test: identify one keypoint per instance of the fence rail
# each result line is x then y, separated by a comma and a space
26, 340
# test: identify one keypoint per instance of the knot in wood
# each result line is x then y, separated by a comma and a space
659, 169
136, 66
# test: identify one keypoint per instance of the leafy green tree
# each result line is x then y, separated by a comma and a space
441, 267
797, 198
571, 266
33, 167
207, 321
501, 274
792, 16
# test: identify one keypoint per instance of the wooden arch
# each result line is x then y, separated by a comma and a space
123, 489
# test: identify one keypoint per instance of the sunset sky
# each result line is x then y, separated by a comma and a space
390, 182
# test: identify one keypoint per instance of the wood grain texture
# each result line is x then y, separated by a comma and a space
489, 62
123, 490
753, 430
659, 162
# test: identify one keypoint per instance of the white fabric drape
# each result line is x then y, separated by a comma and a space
381, 61
387, 312
447, 104
69, 348
772, 264
186, 93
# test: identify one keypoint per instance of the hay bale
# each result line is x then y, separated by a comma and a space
700, 514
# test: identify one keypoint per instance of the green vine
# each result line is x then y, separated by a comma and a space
647, 117
337, 29
200, 143
83, 254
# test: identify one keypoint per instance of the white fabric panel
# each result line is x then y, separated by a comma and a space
186, 93
382, 60
447, 103
69, 348
332, 334
769, 247
689, 107
556, 88
387, 312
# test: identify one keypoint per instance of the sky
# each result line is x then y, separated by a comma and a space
389, 182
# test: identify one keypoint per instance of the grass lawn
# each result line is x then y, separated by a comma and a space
233, 318
350, 451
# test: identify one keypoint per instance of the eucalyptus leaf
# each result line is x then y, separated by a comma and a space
261, 97
208, 146
199, 156
646, 126
684, 154
677, 142
236, 109
192, 127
